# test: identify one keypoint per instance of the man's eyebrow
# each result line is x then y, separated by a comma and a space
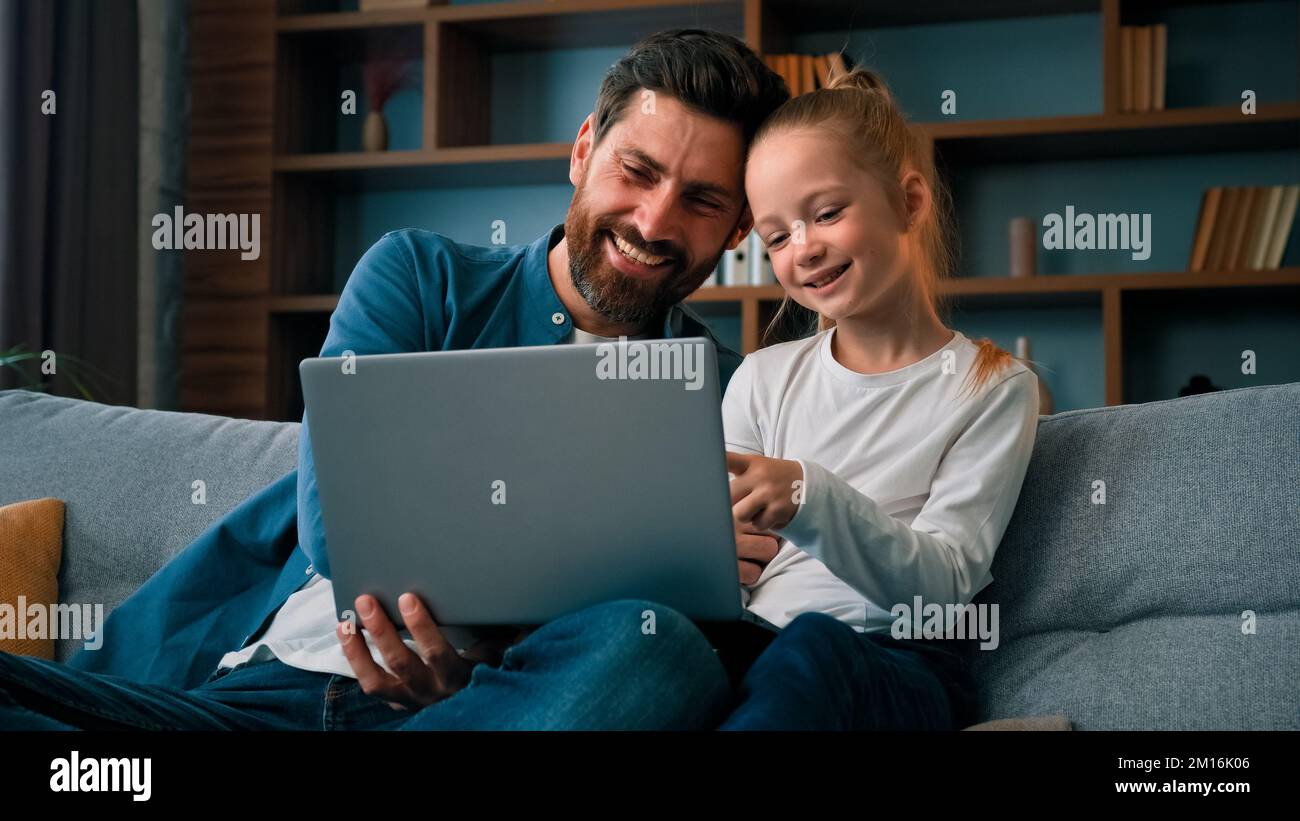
693, 186
811, 195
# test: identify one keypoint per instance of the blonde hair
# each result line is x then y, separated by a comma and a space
857, 109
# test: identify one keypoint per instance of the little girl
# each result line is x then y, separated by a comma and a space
885, 450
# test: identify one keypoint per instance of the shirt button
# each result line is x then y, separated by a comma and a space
557, 318
309, 570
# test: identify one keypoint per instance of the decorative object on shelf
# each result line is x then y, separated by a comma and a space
1046, 407
1243, 228
1024, 247
1142, 52
383, 78
1199, 383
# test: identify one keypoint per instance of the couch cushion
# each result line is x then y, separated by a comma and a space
31, 536
1128, 614
126, 476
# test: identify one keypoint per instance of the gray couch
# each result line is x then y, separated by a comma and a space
1123, 615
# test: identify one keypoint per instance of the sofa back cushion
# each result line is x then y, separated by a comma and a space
138, 485
1129, 613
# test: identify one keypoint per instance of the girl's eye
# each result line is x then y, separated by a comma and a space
775, 241
831, 214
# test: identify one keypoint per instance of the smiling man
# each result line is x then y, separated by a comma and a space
238, 631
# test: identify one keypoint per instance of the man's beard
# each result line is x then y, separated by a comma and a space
610, 292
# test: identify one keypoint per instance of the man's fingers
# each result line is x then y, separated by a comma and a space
405, 665
761, 548
372, 678
749, 572
433, 646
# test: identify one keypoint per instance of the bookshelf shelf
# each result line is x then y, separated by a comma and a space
290, 168
1185, 130
959, 287
1201, 130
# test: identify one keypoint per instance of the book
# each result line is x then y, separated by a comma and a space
823, 65
377, 5
791, 76
1204, 227
1282, 228
1236, 236
760, 264
1159, 48
1219, 233
1142, 68
1262, 232
1250, 226
1126, 68
808, 74
732, 266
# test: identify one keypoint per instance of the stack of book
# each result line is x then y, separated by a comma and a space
806, 72
748, 264
1244, 228
383, 5
1142, 52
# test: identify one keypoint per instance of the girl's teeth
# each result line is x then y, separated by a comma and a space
632, 253
830, 278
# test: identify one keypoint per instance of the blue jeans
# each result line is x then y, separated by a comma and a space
592, 669
820, 674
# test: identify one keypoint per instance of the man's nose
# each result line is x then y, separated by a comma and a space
656, 216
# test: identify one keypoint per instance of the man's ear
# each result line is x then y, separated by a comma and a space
581, 153
743, 228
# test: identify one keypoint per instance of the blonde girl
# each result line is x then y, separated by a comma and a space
885, 451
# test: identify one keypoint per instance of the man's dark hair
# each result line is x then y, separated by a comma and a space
707, 71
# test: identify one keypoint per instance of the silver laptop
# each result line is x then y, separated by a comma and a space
509, 486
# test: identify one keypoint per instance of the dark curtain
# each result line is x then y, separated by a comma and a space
68, 254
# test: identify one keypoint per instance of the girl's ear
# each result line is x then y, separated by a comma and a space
917, 199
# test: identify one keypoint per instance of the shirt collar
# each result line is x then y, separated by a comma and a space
545, 303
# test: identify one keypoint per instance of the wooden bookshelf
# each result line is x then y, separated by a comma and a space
263, 136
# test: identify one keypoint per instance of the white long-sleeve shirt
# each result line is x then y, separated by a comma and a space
907, 489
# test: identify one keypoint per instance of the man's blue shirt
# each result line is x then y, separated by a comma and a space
412, 291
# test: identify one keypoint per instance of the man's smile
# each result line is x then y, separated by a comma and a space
632, 261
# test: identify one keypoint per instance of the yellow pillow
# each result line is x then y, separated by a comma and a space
31, 547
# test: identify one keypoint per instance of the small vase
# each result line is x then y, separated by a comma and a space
1024, 247
374, 132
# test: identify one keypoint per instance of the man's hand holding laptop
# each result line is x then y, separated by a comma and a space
418, 679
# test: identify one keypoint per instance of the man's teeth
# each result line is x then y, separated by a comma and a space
640, 256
